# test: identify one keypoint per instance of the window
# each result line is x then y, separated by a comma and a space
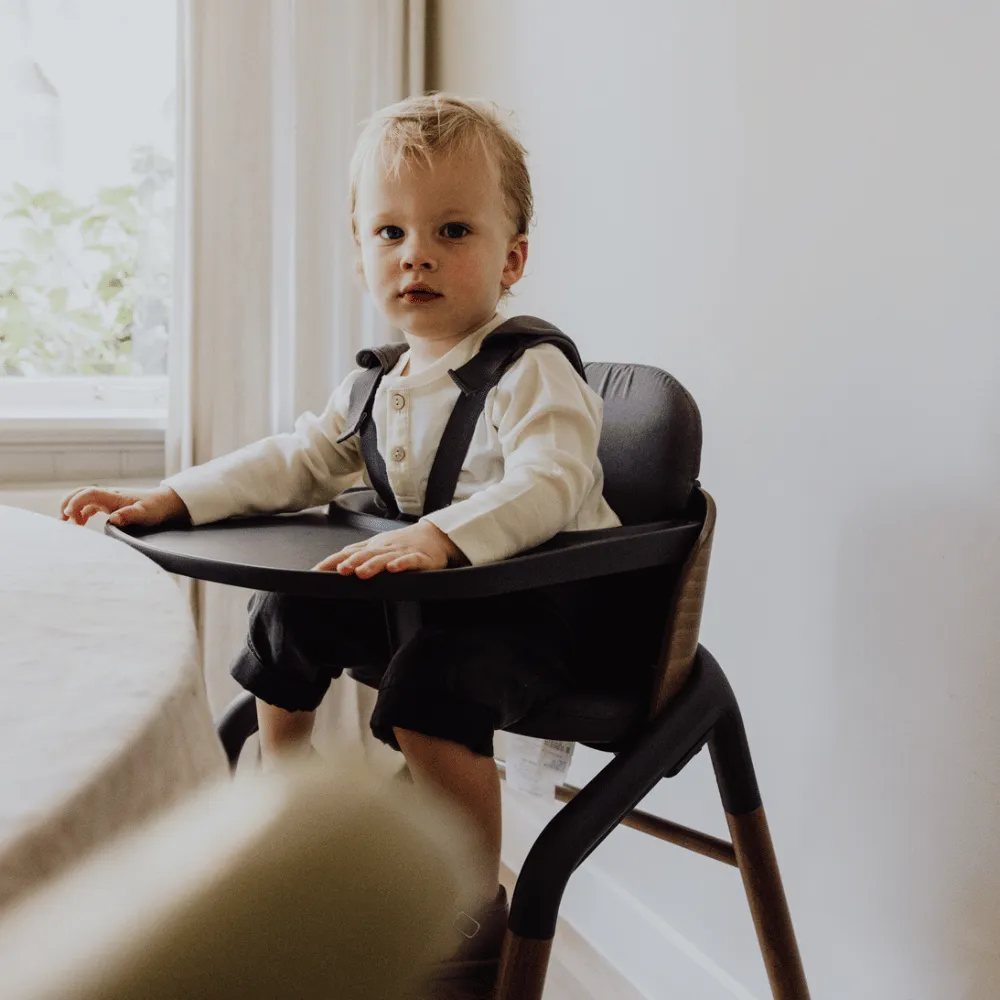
87, 165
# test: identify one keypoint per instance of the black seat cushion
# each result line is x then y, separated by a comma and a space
650, 446
596, 714
650, 452
601, 718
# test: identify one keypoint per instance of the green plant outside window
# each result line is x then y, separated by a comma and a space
87, 288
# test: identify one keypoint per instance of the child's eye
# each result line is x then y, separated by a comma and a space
395, 234
454, 230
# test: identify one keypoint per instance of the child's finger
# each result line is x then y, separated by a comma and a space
332, 562
90, 510
72, 503
353, 555
355, 559
347, 566
92, 496
122, 516
134, 513
81, 514
412, 560
374, 565
64, 504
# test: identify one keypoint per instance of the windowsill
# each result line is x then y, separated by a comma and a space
84, 426
83, 410
85, 445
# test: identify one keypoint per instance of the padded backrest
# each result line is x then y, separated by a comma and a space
650, 446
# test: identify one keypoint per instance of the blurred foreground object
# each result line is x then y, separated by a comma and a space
307, 882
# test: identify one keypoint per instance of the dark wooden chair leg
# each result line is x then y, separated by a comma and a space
755, 856
590, 815
523, 965
768, 906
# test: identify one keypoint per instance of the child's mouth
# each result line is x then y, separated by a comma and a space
414, 297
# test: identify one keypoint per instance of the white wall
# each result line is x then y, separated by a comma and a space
794, 208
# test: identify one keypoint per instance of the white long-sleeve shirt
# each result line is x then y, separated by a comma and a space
531, 470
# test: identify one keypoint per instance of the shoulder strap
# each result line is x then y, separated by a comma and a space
378, 361
497, 353
505, 345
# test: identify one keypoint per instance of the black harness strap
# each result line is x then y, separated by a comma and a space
498, 352
378, 361
453, 447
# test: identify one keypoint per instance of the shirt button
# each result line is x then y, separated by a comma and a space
398, 454
398, 400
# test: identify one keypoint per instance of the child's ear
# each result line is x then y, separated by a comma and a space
517, 257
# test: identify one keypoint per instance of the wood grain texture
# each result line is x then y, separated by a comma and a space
681, 643
656, 826
523, 967
576, 971
768, 906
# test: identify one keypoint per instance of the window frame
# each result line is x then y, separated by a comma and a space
105, 428
50, 424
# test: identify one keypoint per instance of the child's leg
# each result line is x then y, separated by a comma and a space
295, 647
281, 731
471, 781
472, 668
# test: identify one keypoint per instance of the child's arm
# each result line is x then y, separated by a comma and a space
303, 468
549, 424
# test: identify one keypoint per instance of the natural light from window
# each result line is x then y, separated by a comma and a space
87, 165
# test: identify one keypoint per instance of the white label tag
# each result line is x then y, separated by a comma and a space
536, 766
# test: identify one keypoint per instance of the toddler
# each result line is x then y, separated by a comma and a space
440, 206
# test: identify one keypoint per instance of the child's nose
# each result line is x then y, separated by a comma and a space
417, 255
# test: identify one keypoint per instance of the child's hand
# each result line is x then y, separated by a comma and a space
417, 546
133, 507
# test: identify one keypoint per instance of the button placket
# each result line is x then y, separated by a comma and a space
398, 422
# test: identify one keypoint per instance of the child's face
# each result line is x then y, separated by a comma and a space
442, 225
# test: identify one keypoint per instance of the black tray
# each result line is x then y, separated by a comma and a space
276, 553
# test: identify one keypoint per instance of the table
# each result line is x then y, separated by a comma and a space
103, 714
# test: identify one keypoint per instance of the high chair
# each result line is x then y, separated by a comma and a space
664, 698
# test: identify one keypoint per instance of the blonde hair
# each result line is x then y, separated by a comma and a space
432, 123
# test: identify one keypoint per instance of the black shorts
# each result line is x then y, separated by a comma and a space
474, 666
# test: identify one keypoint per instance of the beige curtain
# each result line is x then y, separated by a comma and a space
269, 317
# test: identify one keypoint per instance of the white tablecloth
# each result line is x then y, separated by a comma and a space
103, 714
